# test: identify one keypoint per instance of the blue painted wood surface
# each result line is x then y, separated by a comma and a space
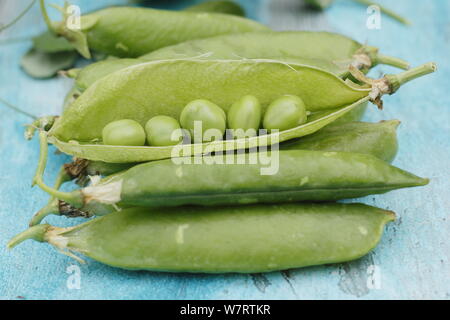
413, 258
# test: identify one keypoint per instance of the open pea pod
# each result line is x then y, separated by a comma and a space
165, 87
134, 31
258, 238
332, 52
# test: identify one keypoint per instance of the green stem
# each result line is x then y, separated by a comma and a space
73, 198
24, 12
35, 233
52, 206
396, 81
392, 61
47, 20
386, 11
17, 109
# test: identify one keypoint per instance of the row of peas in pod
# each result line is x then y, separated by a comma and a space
244, 119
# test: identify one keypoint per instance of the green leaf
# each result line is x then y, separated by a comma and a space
50, 43
43, 65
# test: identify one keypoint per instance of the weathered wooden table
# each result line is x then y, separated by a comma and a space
411, 262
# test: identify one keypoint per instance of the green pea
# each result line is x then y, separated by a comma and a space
160, 129
244, 117
211, 116
285, 113
124, 133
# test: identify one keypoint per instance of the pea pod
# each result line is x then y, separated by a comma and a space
132, 32
240, 179
220, 6
332, 52
377, 139
160, 88
244, 239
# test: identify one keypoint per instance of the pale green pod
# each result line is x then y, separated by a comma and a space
132, 32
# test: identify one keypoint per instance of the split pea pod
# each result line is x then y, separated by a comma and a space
132, 31
331, 51
377, 139
269, 177
244, 239
165, 87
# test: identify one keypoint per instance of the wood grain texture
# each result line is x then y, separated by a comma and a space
411, 262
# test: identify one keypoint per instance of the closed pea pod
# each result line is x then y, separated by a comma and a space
160, 88
285, 113
132, 32
243, 239
332, 52
291, 176
244, 117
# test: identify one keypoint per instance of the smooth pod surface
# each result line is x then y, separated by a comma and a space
332, 52
377, 139
132, 32
276, 177
244, 239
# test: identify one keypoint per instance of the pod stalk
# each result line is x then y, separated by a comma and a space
392, 61
396, 81
36, 233
74, 198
